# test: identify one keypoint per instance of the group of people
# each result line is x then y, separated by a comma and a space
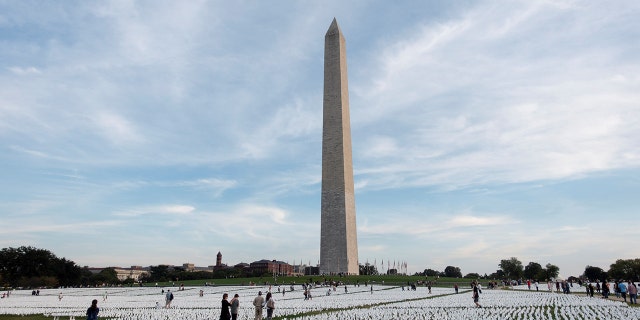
229, 309
621, 290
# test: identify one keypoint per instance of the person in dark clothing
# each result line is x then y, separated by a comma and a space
476, 295
224, 311
92, 312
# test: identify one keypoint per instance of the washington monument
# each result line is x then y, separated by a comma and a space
338, 239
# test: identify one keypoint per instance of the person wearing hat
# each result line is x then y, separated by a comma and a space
258, 302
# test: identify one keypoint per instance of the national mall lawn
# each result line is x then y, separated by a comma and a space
361, 279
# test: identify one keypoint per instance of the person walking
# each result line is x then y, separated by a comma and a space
605, 289
224, 310
92, 312
167, 299
258, 302
270, 305
476, 295
633, 293
235, 305
623, 290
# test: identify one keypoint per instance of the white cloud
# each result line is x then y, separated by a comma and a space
117, 129
24, 230
24, 71
174, 209
218, 186
478, 104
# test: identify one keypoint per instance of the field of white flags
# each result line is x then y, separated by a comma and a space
357, 302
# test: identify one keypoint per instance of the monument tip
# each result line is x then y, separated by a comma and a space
334, 28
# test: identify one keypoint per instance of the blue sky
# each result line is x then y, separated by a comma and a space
150, 132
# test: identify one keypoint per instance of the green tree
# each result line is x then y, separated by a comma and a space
159, 273
499, 274
551, 271
368, 269
512, 268
472, 276
594, 273
452, 272
106, 276
533, 270
430, 273
29, 266
626, 269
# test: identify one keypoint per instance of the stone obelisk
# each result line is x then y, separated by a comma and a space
338, 239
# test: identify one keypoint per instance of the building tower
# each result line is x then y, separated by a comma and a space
338, 239
219, 259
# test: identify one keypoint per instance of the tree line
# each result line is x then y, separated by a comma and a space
31, 267
514, 269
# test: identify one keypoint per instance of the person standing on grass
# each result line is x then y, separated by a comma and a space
92, 312
605, 289
235, 305
257, 303
224, 310
633, 293
623, 290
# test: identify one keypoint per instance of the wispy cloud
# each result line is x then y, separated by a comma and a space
61, 228
24, 70
484, 106
157, 210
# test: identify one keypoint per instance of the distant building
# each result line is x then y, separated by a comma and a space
135, 272
190, 267
271, 267
219, 265
298, 269
311, 271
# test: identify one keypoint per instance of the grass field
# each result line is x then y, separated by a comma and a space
378, 279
